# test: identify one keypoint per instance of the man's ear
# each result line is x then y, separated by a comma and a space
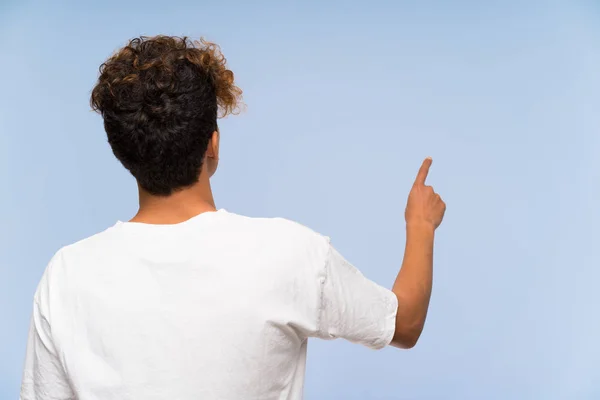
213, 146
212, 155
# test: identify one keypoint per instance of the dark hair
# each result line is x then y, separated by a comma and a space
160, 98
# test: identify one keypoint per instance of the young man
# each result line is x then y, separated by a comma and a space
189, 302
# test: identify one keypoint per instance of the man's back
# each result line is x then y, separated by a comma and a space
217, 307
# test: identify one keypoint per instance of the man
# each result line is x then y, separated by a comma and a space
186, 301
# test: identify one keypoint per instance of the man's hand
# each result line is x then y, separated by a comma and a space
424, 205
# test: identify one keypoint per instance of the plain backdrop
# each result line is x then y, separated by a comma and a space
344, 100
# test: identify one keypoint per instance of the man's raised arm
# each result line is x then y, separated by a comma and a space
424, 213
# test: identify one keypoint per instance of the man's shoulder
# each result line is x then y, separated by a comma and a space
66, 261
282, 228
94, 250
91, 245
286, 249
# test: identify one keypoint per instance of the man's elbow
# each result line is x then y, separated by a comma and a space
407, 336
410, 320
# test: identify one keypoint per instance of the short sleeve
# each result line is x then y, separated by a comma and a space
353, 307
44, 377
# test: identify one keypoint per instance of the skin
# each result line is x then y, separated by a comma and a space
424, 213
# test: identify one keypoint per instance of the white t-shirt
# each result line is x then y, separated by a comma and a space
217, 307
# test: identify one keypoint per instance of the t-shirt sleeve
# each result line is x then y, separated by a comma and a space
353, 307
44, 377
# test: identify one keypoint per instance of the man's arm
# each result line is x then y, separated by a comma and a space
424, 213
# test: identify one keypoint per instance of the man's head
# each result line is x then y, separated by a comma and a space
160, 98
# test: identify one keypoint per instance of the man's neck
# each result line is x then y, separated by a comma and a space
178, 207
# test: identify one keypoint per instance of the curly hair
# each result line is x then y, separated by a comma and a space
160, 98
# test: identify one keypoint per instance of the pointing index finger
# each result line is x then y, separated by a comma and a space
423, 171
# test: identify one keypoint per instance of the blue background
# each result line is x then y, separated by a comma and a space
344, 100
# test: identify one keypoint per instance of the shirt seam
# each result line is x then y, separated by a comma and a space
322, 279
